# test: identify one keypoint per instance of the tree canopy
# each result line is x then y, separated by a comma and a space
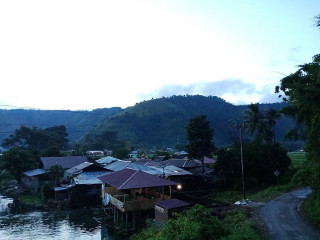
200, 137
47, 142
261, 122
260, 162
302, 91
17, 160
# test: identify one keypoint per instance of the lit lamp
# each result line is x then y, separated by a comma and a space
179, 186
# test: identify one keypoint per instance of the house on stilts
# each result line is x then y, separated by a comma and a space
128, 192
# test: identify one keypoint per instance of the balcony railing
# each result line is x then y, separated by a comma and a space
141, 203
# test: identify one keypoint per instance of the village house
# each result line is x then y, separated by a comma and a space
85, 187
33, 178
164, 210
130, 191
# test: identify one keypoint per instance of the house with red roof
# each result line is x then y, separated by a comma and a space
133, 190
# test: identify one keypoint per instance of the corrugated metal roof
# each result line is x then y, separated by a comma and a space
172, 170
172, 203
132, 179
107, 160
117, 166
89, 178
146, 169
207, 160
78, 168
143, 162
181, 163
65, 162
58, 189
34, 172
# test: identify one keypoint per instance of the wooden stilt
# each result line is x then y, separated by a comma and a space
126, 222
134, 220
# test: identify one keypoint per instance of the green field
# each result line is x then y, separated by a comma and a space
297, 158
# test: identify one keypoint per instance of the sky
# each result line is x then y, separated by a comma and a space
93, 54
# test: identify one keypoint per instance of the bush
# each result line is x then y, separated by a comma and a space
199, 223
239, 228
311, 209
46, 191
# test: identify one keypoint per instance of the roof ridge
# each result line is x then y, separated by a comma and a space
128, 179
184, 163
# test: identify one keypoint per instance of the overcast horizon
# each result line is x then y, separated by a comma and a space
81, 55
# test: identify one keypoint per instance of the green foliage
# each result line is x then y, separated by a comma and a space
239, 227
261, 122
161, 122
271, 192
260, 162
5, 177
18, 160
311, 209
31, 200
302, 92
47, 142
151, 232
297, 158
101, 141
55, 172
46, 191
199, 223
200, 138
77, 122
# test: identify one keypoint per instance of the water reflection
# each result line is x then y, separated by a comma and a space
77, 224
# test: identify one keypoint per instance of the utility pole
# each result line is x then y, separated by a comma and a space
240, 127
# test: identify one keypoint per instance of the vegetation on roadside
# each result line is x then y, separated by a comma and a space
311, 209
257, 195
199, 223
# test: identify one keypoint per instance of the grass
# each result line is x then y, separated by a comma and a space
31, 200
272, 192
259, 195
311, 209
297, 158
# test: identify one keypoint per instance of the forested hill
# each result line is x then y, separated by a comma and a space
161, 122
76, 122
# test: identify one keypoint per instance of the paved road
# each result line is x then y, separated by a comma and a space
282, 219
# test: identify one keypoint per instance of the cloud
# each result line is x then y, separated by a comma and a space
235, 91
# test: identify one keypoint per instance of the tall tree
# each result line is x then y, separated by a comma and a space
200, 137
17, 160
49, 140
302, 92
272, 116
261, 123
254, 117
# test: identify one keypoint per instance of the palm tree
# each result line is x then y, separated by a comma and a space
255, 119
272, 116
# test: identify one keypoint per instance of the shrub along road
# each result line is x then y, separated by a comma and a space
283, 220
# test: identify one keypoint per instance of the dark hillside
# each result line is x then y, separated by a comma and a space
161, 122
77, 122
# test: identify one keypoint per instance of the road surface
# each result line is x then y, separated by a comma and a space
282, 219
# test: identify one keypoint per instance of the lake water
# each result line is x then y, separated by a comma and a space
62, 225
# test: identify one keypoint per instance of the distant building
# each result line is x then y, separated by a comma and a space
95, 153
133, 154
